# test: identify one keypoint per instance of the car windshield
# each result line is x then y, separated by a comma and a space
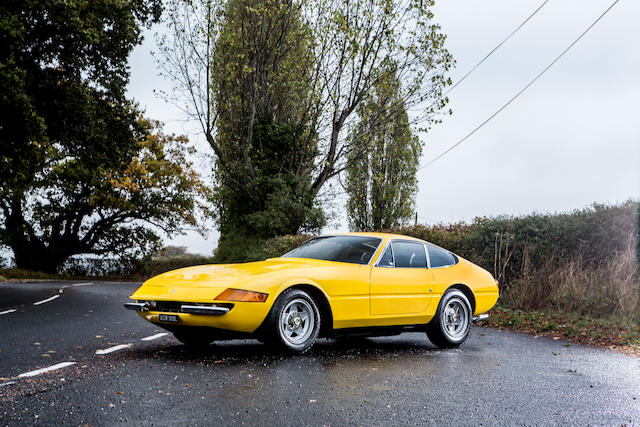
353, 249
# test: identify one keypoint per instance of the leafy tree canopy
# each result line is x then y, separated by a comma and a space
276, 86
81, 170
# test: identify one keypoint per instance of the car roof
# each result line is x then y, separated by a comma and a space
385, 236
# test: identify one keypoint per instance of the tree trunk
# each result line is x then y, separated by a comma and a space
31, 253
36, 257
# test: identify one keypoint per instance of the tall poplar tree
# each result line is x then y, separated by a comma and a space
265, 142
381, 179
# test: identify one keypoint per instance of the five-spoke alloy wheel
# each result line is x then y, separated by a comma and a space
451, 325
294, 321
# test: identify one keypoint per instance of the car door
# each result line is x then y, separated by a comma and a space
400, 280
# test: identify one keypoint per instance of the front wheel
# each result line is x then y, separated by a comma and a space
451, 325
294, 321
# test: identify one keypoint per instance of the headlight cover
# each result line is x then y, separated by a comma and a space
232, 294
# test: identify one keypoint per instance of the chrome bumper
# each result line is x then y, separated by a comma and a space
203, 309
136, 306
189, 309
480, 318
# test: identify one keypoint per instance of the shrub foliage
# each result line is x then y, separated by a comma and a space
583, 262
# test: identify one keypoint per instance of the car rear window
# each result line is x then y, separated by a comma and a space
438, 257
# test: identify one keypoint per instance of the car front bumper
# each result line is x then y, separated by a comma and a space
236, 316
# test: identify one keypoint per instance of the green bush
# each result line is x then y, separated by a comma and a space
246, 249
153, 266
583, 262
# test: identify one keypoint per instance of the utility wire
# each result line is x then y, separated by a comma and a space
400, 105
496, 48
521, 90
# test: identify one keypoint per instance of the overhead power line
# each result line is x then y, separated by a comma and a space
496, 48
400, 106
521, 90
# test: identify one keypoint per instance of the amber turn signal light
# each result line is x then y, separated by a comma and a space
241, 295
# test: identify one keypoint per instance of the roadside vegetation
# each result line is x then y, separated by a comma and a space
609, 332
573, 275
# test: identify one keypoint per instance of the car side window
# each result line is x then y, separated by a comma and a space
438, 257
409, 255
386, 260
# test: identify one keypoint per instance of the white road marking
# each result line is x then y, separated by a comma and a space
82, 284
155, 337
7, 383
48, 369
114, 348
75, 285
47, 300
7, 311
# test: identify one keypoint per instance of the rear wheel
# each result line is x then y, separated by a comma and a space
451, 325
294, 321
194, 338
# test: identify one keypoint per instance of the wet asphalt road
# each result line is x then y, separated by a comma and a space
495, 378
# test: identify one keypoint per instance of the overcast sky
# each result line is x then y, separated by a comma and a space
570, 140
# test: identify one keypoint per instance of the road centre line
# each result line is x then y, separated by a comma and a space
47, 300
75, 285
7, 311
47, 369
154, 337
81, 284
7, 383
114, 348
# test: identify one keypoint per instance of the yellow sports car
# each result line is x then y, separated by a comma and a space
356, 283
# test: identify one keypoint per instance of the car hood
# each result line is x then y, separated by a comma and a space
191, 282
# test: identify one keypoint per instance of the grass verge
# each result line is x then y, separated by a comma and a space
615, 334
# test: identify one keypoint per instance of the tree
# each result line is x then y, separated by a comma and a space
381, 174
355, 42
341, 55
82, 172
265, 142
248, 86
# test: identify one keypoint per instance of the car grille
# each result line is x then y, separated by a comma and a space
168, 306
174, 306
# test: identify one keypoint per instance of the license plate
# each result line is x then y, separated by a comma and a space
169, 318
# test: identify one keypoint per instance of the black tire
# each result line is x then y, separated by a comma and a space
194, 338
451, 325
293, 323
